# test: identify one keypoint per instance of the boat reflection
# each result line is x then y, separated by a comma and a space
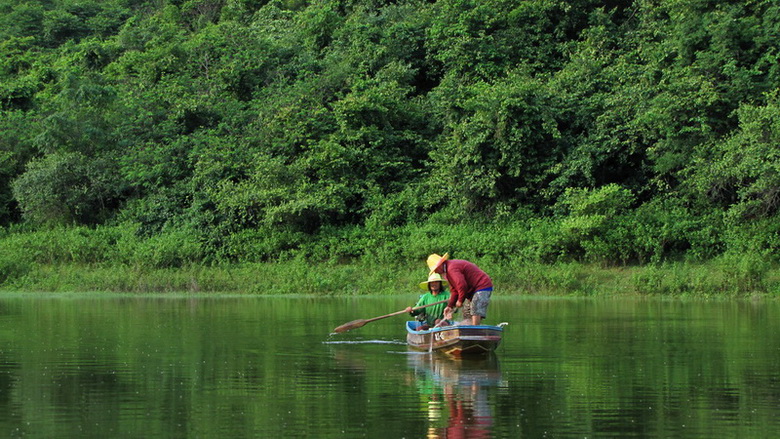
456, 393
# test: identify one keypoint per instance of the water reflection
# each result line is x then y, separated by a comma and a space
264, 367
456, 393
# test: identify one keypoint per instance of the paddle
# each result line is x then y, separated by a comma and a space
360, 322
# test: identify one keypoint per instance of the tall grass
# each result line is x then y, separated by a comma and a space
523, 258
297, 277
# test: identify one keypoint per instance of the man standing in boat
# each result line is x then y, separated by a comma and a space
467, 282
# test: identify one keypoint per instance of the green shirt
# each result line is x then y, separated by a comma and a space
434, 312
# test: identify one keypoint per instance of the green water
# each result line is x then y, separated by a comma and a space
141, 367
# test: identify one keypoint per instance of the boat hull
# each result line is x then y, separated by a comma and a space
456, 341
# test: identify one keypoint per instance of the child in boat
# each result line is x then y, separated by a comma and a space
431, 315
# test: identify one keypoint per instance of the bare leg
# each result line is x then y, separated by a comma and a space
475, 319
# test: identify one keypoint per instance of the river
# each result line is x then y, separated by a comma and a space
87, 365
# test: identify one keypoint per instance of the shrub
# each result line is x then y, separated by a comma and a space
12, 266
64, 188
169, 249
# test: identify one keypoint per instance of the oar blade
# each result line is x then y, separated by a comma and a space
350, 325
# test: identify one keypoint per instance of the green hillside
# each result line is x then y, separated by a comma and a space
148, 135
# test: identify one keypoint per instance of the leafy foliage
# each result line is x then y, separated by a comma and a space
611, 132
741, 172
64, 188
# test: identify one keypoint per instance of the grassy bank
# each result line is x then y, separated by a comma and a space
721, 278
355, 262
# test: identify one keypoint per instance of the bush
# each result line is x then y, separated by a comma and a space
169, 249
760, 236
264, 243
65, 188
592, 224
12, 266
664, 229
61, 245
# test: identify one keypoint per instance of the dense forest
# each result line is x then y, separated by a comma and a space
166, 133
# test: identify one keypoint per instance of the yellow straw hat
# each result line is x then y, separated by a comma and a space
435, 261
435, 277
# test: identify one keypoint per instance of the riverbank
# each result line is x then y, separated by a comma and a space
724, 277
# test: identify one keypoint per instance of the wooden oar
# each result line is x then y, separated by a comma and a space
359, 323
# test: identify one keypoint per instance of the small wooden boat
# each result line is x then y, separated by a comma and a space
456, 341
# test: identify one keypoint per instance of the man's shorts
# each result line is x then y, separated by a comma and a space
480, 302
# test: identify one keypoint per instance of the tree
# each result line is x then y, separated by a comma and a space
500, 142
742, 172
66, 188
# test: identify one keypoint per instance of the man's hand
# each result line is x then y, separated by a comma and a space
408, 309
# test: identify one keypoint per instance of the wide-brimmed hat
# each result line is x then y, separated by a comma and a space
435, 261
435, 277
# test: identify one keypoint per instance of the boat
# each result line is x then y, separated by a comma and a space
455, 340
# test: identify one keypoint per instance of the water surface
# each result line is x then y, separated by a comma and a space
198, 366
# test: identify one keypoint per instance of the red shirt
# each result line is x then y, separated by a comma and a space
465, 278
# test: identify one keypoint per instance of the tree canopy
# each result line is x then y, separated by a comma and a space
253, 127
